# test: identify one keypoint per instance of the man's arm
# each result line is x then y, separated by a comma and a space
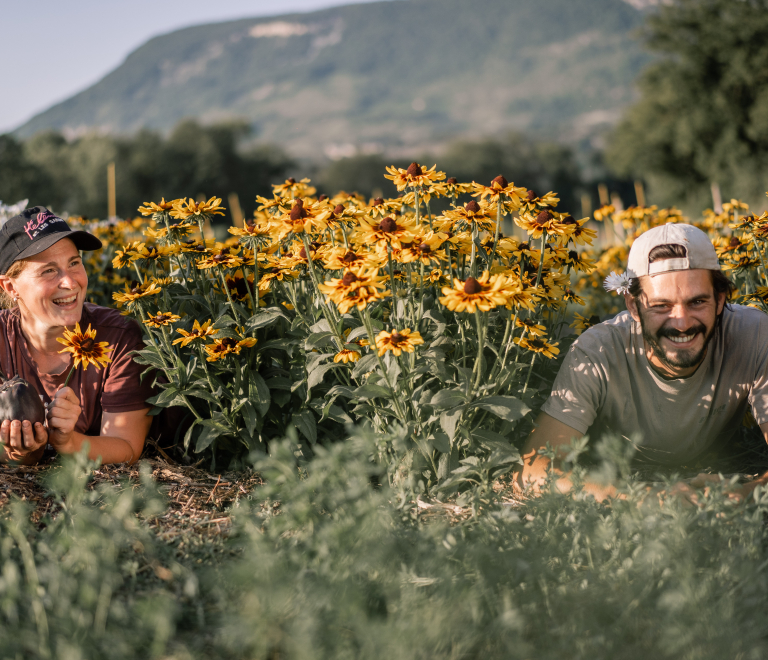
534, 470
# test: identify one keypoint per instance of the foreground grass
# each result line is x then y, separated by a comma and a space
343, 567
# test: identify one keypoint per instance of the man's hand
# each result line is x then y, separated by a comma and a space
21, 440
63, 413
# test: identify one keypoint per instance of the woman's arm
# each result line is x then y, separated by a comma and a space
122, 434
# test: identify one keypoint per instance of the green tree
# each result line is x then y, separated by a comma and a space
702, 116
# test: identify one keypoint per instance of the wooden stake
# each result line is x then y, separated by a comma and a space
235, 210
602, 191
111, 191
640, 193
717, 200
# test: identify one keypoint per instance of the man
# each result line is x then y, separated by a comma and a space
677, 370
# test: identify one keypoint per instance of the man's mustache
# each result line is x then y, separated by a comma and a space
672, 332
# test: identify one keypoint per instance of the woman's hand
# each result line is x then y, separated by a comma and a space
21, 440
63, 413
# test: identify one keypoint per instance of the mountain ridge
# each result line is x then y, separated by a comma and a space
394, 76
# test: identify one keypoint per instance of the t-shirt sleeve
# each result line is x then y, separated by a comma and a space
758, 395
578, 391
124, 390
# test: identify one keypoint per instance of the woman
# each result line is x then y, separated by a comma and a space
43, 281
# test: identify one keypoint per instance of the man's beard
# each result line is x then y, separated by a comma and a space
683, 359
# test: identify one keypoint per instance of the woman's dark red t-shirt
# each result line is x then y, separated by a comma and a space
115, 388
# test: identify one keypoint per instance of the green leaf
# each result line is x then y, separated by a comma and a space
440, 442
305, 422
259, 393
446, 399
371, 391
317, 340
224, 321
205, 439
250, 417
449, 421
316, 376
357, 332
505, 407
165, 397
188, 434
266, 317
364, 365
279, 383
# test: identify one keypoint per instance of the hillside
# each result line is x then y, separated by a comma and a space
399, 76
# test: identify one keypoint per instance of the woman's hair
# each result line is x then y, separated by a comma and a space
17, 267
720, 282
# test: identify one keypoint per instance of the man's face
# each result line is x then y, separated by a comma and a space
678, 313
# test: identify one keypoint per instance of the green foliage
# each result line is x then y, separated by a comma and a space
72, 175
703, 112
327, 560
71, 587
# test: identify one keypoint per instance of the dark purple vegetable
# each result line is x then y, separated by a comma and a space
19, 400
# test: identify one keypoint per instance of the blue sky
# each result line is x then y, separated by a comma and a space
50, 49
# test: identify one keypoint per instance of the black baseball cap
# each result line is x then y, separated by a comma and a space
35, 230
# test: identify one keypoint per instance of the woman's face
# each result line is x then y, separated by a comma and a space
52, 286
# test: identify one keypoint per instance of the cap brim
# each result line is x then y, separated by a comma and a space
82, 240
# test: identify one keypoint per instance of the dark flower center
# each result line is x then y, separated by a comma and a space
290, 180
451, 180
501, 181
472, 207
349, 258
298, 211
568, 220
530, 196
543, 218
425, 248
397, 338
472, 286
86, 344
388, 225
338, 210
735, 242
378, 201
414, 169
322, 198
348, 279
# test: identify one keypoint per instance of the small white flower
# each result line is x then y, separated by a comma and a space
618, 283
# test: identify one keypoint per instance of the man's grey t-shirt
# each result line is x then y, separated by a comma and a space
606, 381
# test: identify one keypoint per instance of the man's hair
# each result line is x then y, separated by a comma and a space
720, 282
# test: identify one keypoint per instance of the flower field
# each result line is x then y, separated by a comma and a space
378, 364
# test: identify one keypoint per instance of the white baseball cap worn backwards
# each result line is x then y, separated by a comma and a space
700, 253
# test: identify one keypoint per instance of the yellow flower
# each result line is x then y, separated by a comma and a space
198, 332
531, 327
127, 255
293, 188
386, 232
604, 212
186, 209
85, 350
302, 218
499, 188
538, 345
345, 355
581, 323
398, 341
415, 176
531, 203
133, 292
150, 208
161, 319
227, 346
356, 288
473, 214
222, 259
473, 294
